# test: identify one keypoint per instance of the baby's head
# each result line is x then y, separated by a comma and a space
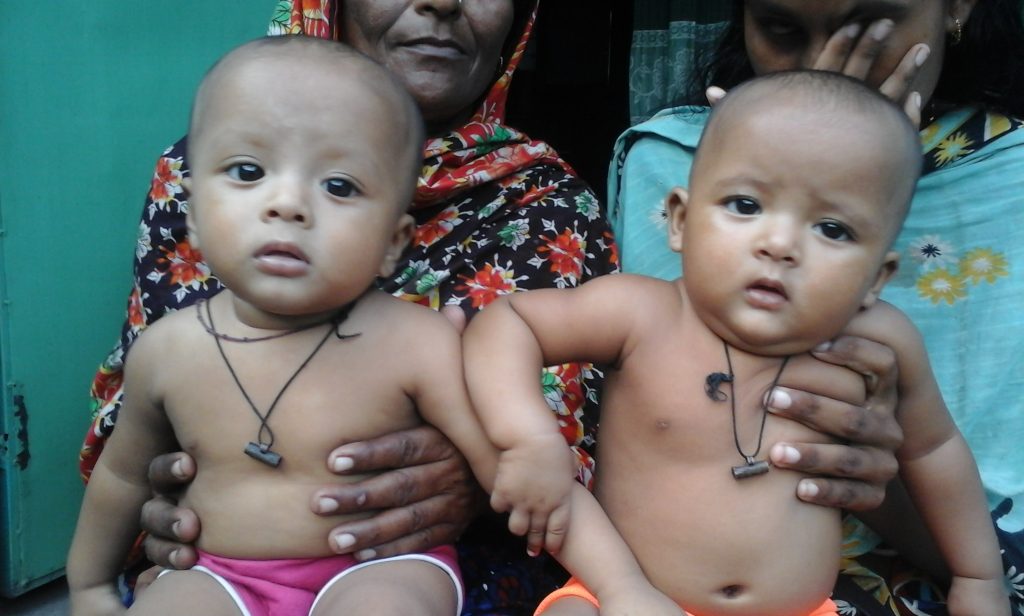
304, 156
800, 184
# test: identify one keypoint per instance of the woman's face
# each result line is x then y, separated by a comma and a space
790, 34
446, 52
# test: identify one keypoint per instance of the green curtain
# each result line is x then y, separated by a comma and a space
670, 39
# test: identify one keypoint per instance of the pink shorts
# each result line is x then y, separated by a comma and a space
574, 588
293, 586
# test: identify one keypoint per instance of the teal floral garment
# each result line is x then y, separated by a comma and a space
961, 281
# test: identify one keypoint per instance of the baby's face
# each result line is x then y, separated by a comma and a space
786, 229
298, 185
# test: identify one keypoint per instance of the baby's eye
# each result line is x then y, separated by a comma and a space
245, 172
743, 206
340, 187
835, 231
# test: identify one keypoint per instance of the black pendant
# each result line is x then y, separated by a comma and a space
751, 469
261, 452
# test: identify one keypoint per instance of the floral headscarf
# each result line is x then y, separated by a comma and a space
480, 151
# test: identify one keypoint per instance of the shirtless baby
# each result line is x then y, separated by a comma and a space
799, 187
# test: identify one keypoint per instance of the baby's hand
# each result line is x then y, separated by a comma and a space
977, 597
639, 599
534, 481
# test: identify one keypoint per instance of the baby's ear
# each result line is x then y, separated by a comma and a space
675, 210
890, 264
397, 244
190, 223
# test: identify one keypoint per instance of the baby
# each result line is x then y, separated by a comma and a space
304, 157
800, 185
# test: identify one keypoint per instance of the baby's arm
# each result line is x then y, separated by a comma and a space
940, 474
109, 520
505, 347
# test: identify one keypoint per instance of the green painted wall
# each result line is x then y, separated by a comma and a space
88, 100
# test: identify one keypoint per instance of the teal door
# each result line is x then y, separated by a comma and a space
90, 94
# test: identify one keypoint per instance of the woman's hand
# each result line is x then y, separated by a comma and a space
854, 55
425, 496
851, 54
851, 476
171, 529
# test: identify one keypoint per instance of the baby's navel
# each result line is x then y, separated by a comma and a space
663, 424
732, 591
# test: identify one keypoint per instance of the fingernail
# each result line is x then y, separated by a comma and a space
342, 464
780, 400
173, 558
326, 505
366, 554
821, 348
916, 98
343, 541
851, 31
881, 29
922, 55
806, 489
176, 528
177, 470
784, 454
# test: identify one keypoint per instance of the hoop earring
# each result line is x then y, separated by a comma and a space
957, 35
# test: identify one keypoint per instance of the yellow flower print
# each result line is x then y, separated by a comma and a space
983, 264
951, 148
929, 132
941, 285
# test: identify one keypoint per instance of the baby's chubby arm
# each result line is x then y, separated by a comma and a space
939, 471
109, 520
505, 347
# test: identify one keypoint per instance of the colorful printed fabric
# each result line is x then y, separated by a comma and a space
496, 213
960, 281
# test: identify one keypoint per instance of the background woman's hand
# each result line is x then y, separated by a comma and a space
853, 51
424, 495
851, 476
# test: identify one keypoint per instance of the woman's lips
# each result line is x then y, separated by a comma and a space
282, 259
435, 47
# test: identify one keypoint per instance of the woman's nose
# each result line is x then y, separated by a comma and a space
440, 7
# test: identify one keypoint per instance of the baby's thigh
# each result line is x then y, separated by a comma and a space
184, 592
394, 588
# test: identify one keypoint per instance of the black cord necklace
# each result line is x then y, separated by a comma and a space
260, 449
712, 383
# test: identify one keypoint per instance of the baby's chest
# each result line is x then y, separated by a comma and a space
308, 411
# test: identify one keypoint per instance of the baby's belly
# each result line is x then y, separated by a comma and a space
738, 548
260, 517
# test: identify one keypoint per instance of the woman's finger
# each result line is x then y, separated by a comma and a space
896, 87
868, 464
171, 472
169, 554
163, 518
851, 495
416, 528
714, 94
398, 488
401, 449
855, 424
865, 53
834, 55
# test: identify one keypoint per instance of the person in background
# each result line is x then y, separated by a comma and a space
958, 66
496, 212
